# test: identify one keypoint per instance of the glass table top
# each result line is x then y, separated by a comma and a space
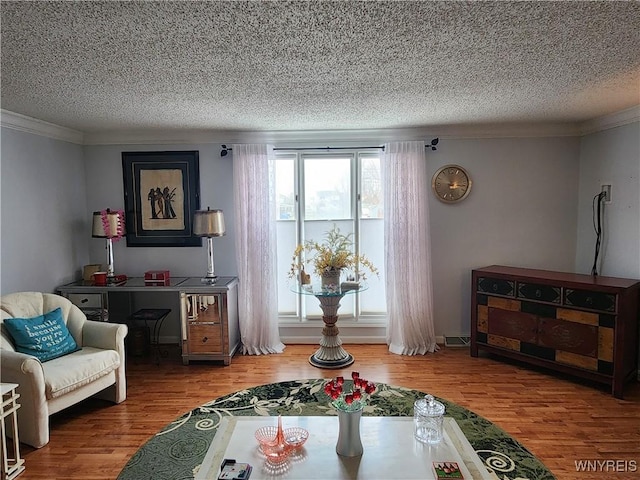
317, 290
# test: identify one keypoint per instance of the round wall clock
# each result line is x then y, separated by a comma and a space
451, 183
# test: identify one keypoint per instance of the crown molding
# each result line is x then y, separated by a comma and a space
335, 137
623, 117
23, 123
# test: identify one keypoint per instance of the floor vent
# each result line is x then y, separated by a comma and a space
459, 341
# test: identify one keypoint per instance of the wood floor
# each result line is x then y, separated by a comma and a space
559, 420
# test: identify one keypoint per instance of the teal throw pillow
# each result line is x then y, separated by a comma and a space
45, 337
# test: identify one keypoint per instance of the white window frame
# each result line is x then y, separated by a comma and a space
375, 321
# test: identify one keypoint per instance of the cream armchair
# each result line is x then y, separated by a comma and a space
98, 368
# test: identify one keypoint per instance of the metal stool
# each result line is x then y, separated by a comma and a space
156, 315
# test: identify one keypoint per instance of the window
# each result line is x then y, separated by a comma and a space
314, 192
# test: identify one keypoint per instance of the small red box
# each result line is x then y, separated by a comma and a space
156, 277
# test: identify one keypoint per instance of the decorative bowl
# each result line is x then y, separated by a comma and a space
277, 443
295, 436
267, 435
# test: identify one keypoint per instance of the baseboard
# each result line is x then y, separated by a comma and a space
314, 339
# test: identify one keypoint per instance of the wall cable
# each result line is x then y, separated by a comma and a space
597, 212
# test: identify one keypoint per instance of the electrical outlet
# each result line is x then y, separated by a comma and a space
606, 189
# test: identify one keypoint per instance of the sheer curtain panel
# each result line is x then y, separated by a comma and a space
407, 249
256, 249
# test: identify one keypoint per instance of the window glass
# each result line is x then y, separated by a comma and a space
334, 190
327, 188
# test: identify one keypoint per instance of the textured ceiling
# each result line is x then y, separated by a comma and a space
96, 66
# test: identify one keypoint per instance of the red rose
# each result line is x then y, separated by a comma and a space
348, 399
357, 394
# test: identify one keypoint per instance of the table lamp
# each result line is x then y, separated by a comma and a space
209, 223
108, 224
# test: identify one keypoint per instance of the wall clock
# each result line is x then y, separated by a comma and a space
451, 183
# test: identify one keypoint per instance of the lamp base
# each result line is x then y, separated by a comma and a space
209, 280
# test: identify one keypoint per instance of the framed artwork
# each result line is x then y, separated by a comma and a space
161, 193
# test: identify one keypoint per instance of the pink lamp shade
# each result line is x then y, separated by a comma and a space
114, 224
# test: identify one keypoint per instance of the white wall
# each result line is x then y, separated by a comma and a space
104, 180
521, 212
611, 157
43, 206
530, 196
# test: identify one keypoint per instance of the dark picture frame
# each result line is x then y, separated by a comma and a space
161, 194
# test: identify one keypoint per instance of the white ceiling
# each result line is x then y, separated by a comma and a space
271, 66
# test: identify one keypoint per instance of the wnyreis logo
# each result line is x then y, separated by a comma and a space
618, 466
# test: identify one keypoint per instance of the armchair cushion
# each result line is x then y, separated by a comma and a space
45, 337
69, 373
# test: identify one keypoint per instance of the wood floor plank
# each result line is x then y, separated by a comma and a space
560, 419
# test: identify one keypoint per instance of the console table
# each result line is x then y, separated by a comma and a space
209, 327
581, 325
330, 354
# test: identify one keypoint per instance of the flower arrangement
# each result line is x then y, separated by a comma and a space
333, 254
353, 401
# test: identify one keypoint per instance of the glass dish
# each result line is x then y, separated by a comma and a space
277, 443
295, 436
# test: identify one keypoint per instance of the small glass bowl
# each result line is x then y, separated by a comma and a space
295, 436
266, 435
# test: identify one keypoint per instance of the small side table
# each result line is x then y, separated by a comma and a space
156, 315
13, 465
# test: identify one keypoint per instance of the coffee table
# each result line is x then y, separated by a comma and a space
390, 450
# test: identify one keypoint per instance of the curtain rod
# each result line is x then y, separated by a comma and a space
226, 150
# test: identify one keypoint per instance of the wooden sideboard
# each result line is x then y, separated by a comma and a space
580, 325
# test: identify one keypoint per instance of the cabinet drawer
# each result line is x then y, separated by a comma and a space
605, 302
542, 293
86, 300
205, 338
496, 286
204, 308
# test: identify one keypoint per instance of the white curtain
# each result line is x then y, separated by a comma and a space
256, 249
407, 249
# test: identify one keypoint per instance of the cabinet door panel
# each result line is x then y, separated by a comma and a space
510, 324
569, 336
